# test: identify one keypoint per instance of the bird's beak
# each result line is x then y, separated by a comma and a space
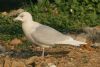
16, 19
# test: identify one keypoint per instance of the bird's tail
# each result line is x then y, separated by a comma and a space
72, 42
77, 43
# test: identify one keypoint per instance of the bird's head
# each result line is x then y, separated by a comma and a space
24, 17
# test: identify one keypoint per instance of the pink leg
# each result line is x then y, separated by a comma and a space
43, 52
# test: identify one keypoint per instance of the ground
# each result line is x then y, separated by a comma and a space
60, 56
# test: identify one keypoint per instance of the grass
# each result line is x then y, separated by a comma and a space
65, 16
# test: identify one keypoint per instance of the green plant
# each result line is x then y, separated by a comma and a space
72, 14
8, 28
63, 15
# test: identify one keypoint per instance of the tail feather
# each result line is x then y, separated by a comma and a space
72, 42
77, 43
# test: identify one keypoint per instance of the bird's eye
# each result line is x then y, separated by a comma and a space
21, 16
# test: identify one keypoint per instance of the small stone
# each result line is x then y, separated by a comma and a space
51, 65
4, 13
15, 42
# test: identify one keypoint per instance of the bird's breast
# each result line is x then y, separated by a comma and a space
28, 29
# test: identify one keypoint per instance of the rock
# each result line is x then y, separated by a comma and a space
97, 29
96, 44
1, 65
88, 30
47, 65
12, 62
16, 12
15, 42
1, 62
7, 62
17, 64
20, 10
4, 13
2, 49
30, 60
93, 33
51, 65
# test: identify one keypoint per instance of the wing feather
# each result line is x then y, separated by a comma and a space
47, 35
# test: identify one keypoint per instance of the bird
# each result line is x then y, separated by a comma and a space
43, 35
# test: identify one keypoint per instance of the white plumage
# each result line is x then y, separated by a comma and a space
43, 35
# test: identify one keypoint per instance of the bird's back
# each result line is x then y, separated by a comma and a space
47, 35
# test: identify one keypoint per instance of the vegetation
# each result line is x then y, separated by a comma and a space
63, 15
9, 29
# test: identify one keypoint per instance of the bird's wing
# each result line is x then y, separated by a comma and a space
47, 35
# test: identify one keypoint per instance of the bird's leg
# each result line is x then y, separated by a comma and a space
43, 52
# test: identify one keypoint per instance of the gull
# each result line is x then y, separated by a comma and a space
42, 35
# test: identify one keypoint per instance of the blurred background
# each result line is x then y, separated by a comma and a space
63, 15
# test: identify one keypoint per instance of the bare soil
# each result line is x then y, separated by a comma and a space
61, 56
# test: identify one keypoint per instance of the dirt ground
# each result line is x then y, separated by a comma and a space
61, 56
